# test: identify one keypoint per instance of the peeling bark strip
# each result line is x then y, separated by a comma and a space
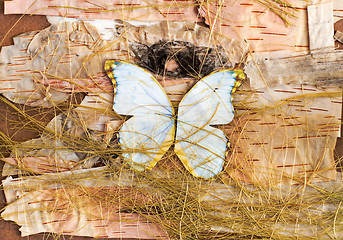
320, 69
283, 131
153, 10
338, 36
40, 164
320, 26
84, 211
258, 22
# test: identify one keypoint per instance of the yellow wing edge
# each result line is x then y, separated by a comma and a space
167, 143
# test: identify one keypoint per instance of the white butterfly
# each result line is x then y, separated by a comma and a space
154, 127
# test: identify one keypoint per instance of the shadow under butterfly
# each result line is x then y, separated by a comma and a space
154, 126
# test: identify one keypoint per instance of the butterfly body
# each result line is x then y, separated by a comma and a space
154, 127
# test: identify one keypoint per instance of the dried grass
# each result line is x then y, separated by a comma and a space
186, 207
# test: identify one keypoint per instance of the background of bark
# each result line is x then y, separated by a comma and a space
8, 29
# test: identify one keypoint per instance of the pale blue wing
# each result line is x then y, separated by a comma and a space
200, 147
137, 92
148, 134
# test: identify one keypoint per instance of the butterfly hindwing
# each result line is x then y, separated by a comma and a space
148, 134
200, 146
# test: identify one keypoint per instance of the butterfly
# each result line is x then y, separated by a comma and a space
154, 126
